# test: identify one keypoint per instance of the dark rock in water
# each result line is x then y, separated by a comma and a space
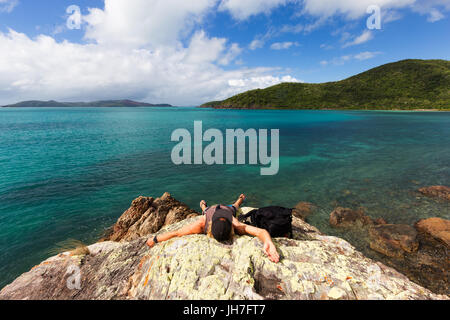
345, 217
440, 192
393, 240
435, 228
148, 215
379, 221
303, 210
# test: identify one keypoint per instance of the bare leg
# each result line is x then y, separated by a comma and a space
239, 201
203, 205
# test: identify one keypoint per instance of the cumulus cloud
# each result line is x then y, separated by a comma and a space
149, 50
242, 9
144, 22
8, 5
44, 69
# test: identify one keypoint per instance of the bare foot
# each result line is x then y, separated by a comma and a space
203, 205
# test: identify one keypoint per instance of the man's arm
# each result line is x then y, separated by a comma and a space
194, 228
261, 234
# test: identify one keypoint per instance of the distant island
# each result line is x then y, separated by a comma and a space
403, 85
96, 104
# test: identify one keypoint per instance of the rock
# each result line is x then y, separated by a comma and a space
336, 293
436, 228
379, 221
344, 217
393, 240
440, 192
138, 207
313, 266
148, 215
303, 209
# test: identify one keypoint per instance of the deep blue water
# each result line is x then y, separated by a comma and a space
70, 173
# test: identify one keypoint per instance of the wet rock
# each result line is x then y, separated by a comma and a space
439, 192
303, 209
379, 221
393, 240
148, 215
345, 217
435, 228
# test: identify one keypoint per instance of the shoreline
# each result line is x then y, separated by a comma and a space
324, 109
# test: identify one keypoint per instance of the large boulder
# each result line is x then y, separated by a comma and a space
312, 266
393, 240
439, 192
148, 215
435, 228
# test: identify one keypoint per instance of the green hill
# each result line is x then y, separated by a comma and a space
403, 85
97, 104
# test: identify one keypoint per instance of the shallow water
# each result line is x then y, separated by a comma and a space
70, 173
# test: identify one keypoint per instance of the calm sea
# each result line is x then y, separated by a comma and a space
70, 173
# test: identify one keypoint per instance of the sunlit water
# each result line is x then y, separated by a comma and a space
70, 173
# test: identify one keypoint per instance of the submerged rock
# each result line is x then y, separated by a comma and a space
312, 266
435, 228
393, 240
345, 217
440, 192
303, 210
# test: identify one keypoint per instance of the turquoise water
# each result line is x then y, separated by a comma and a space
70, 173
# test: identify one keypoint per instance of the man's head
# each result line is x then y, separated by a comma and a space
221, 225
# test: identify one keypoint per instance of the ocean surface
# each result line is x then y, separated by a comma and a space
70, 173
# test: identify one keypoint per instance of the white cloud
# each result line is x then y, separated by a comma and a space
351, 9
366, 55
149, 50
283, 45
231, 55
44, 69
242, 9
346, 58
144, 22
256, 44
367, 35
432, 8
8, 5
260, 82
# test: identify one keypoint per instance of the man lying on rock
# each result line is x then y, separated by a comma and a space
219, 222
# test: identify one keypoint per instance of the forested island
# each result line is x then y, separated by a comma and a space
403, 85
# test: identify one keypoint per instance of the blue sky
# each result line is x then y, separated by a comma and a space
189, 52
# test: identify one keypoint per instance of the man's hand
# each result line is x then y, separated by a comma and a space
150, 243
271, 251
242, 196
